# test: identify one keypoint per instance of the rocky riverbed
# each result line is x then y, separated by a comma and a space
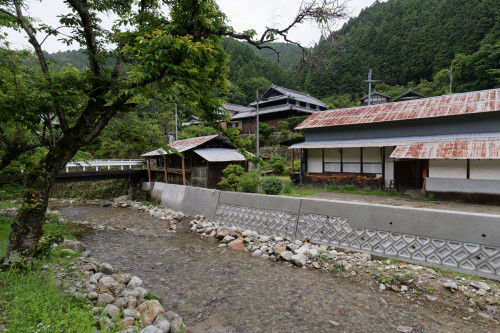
217, 289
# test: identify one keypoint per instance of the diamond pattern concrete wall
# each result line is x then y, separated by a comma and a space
263, 221
453, 255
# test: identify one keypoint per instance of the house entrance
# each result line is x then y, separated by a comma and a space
409, 173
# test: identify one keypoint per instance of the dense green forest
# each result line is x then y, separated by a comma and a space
408, 41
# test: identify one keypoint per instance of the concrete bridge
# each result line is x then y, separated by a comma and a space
94, 170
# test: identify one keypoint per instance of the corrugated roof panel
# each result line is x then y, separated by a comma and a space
183, 145
472, 102
156, 152
460, 148
220, 154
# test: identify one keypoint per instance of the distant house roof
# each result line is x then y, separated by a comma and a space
272, 109
288, 93
236, 108
442, 106
409, 95
193, 120
376, 93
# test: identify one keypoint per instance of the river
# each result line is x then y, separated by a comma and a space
221, 290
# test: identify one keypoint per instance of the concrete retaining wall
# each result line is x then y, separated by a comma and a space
459, 241
485, 186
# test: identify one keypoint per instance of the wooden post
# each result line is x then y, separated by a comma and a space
165, 167
323, 160
383, 167
468, 168
361, 161
341, 160
183, 172
149, 170
291, 171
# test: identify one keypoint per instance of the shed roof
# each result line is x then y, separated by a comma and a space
464, 148
156, 152
187, 144
220, 154
441, 106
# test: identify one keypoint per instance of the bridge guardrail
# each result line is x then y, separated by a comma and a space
105, 163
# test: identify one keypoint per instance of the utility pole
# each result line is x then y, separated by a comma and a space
175, 122
257, 133
451, 77
370, 81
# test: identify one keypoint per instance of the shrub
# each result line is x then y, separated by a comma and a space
284, 135
249, 181
232, 173
289, 188
278, 164
272, 186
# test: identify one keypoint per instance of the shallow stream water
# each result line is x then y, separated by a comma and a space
221, 290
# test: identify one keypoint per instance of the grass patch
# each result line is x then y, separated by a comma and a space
31, 302
4, 205
11, 191
295, 191
466, 276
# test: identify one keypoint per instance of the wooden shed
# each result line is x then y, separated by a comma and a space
195, 162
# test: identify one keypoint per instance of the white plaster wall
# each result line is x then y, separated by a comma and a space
389, 166
351, 154
448, 169
314, 160
372, 155
485, 169
332, 155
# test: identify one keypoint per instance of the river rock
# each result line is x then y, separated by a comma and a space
404, 329
249, 234
107, 268
151, 329
222, 232
149, 316
105, 299
365, 257
134, 283
176, 325
257, 253
299, 259
171, 316
149, 305
95, 278
164, 326
292, 247
286, 255
121, 302
277, 250
265, 239
122, 278
481, 292
107, 280
131, 313
92, 295
111, 310
278, 239
450, 285
237, 244
228, 239
128, 322
302, 250
312, 253
480, 285
74, 245
122, 199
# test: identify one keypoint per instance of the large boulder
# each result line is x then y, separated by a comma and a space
299, 259
134, 282
149, 305
74, 245
286, 255
222, 232
107, 268
237, 244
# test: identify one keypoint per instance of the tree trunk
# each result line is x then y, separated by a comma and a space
27, 227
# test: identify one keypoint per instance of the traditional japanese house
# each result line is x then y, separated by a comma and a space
233, 109
376, 98
277, 104
452, 141
195, 162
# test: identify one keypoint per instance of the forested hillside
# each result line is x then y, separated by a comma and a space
413, 40
407, 43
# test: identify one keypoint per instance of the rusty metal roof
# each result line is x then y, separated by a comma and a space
448, 105
219, 154
187, 144
156, 152
460, 148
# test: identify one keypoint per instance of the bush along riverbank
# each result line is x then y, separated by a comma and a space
69, 291
476, 297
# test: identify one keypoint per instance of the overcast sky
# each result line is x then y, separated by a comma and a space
243, 15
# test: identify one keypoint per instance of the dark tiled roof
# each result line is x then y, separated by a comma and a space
290, 93
272, 109
409, 95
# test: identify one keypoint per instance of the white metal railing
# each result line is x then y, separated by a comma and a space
105, 164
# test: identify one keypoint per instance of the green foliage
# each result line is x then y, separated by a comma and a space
196, 131
265, 131
289, 188
32, 302
272, 185
4, 233
150, 296
11, 191
249, 181
232, 175
284, 135
295, 121
278, 164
